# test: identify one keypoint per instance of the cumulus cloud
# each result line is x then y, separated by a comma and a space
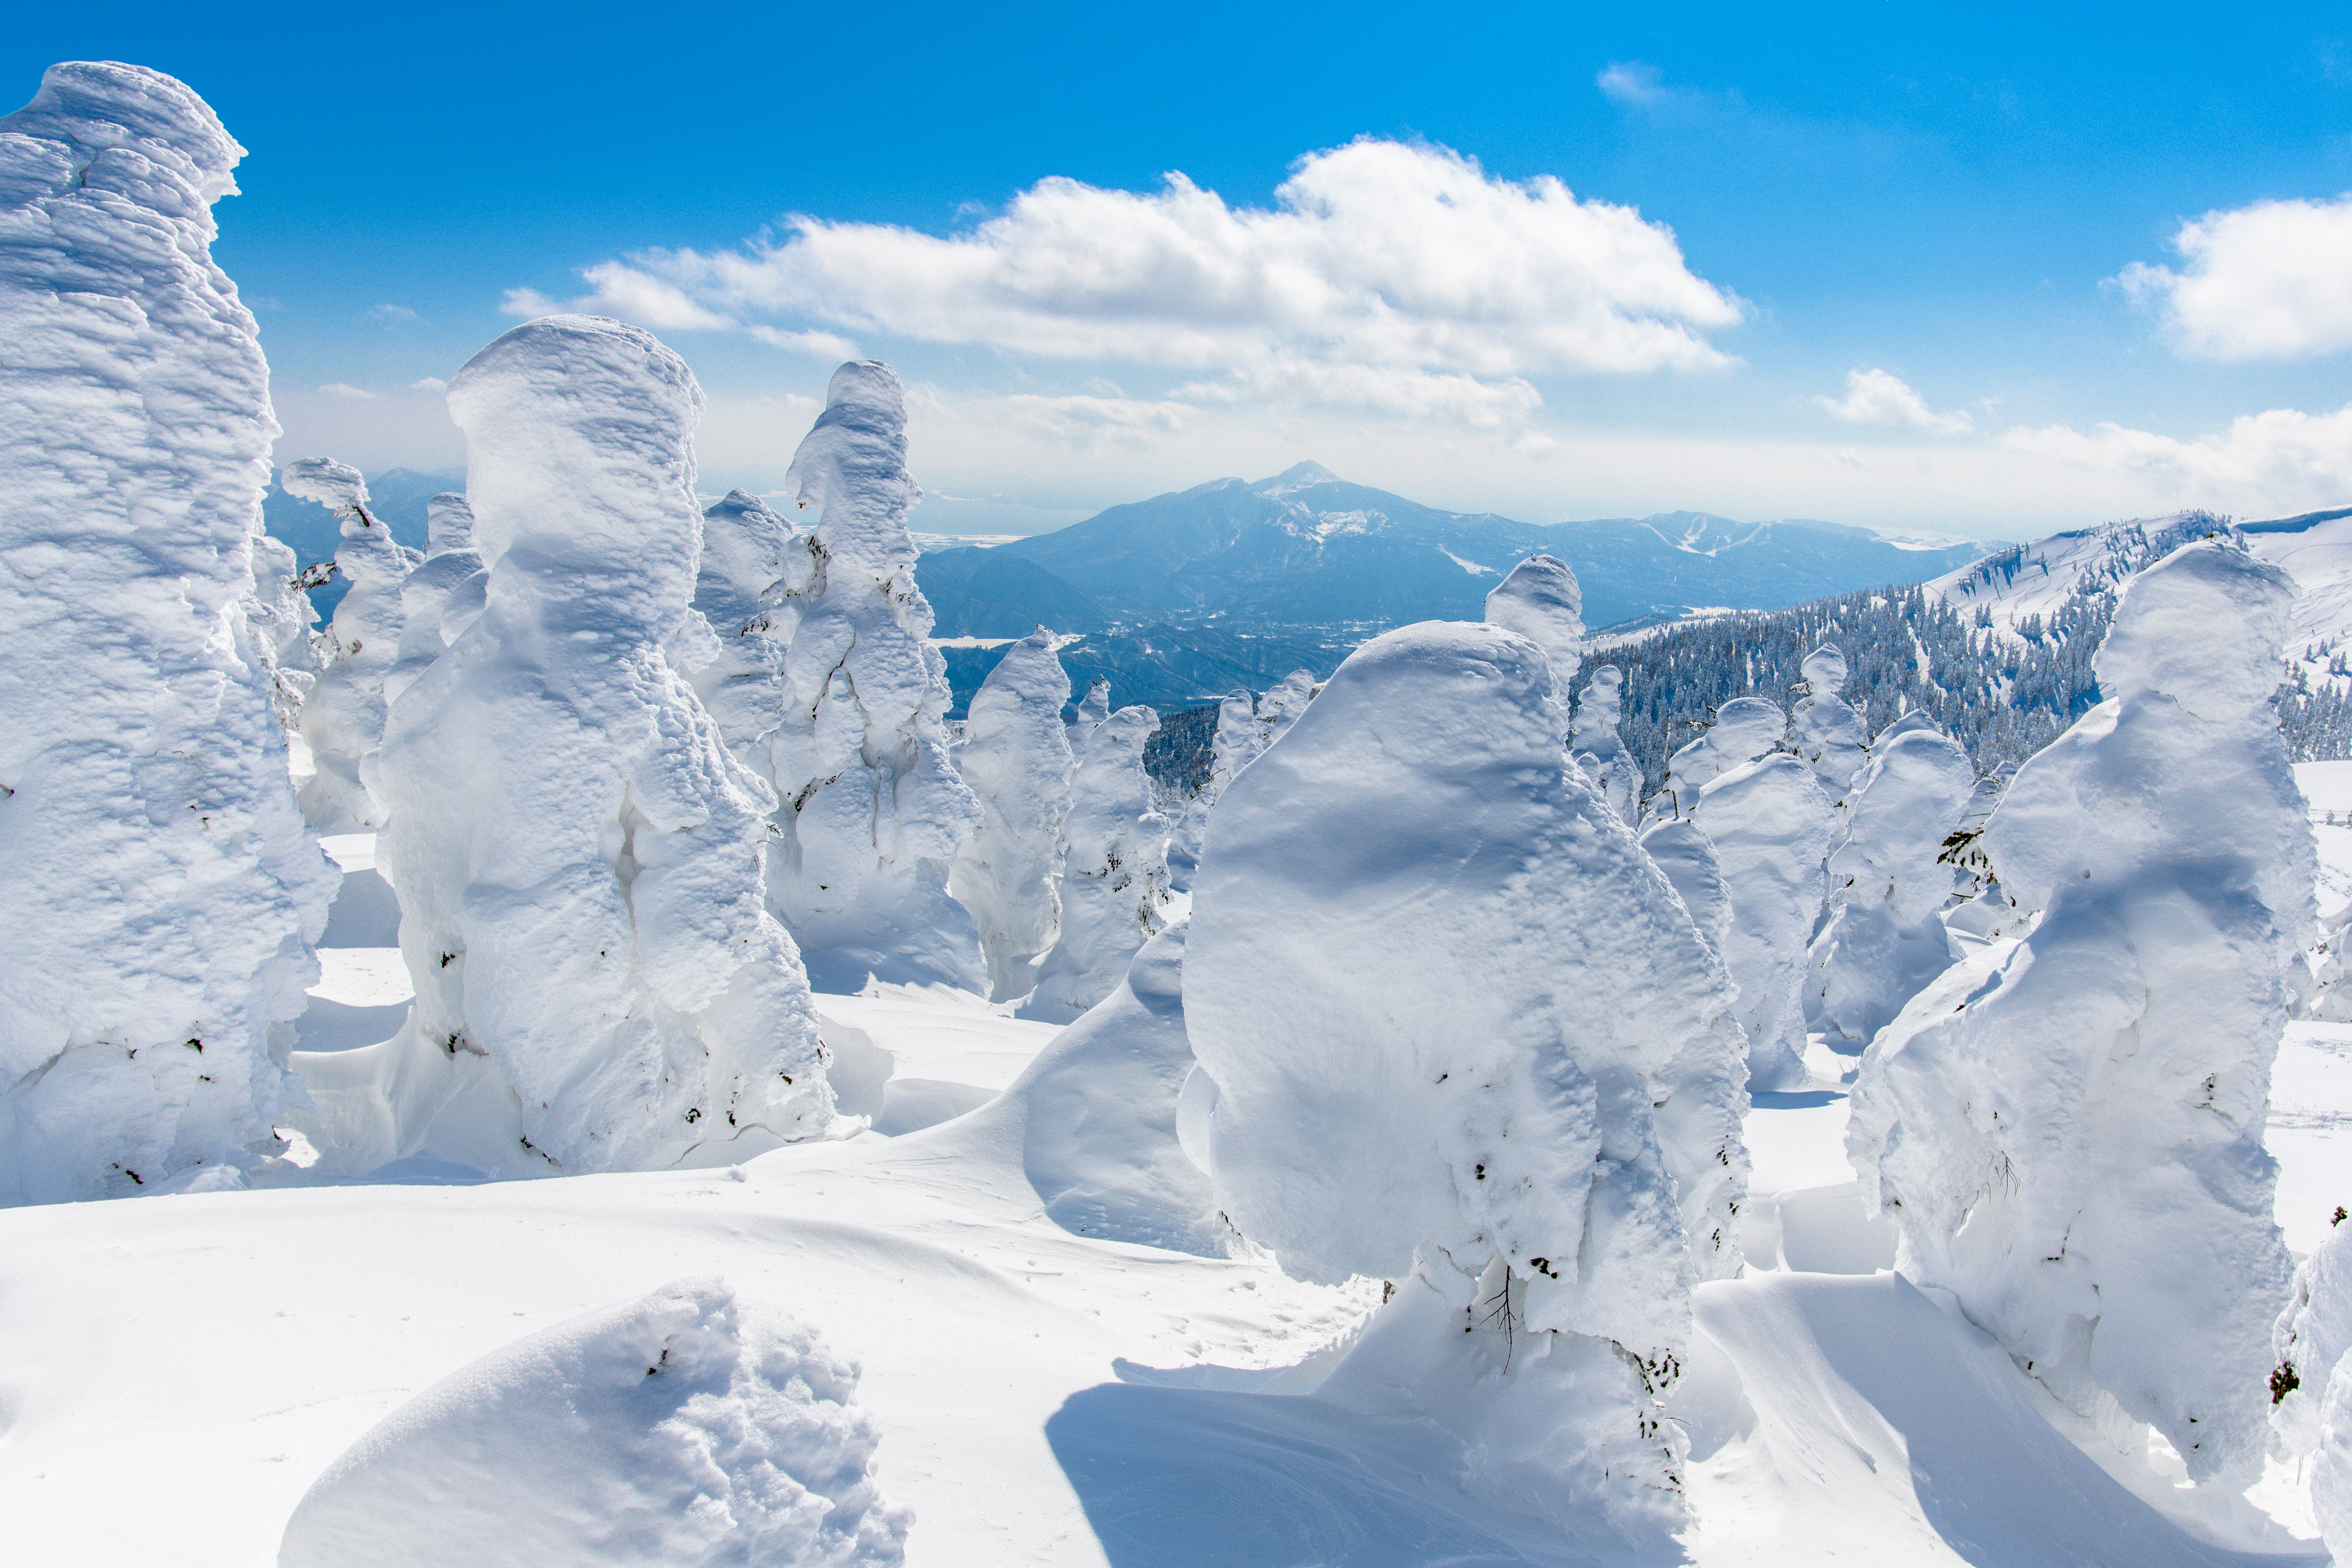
1392, 274
2280, 461
1879, 397
2273, 280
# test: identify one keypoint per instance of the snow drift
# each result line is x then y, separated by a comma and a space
160, 888
578, 854
685, 1429
2067, 1129
873, 810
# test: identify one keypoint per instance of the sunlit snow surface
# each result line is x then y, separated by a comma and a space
1042, 1398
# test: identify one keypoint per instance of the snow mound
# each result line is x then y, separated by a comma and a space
160, 888
2067, 1129
873, 810
1440, 991
1016, 758
684, 1428
578, 854
1096, 1116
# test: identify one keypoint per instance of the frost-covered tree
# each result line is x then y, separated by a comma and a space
1744, 729
162, 889
873, 810
1887, 885
578, 854
747, 590
1281, 708
1016, 758
1769, 823
1114, 871
342, 720
1092, 709
1539, 599
1234, 742
1599, 749
2067, 1129
1449, 1008
1830, 736
442, 596
1687, 857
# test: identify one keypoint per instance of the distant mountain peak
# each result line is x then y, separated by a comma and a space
1297, 477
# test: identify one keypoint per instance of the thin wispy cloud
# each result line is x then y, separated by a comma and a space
1879, 397
1388, 275
1631, 81
2279, 462
2268, 281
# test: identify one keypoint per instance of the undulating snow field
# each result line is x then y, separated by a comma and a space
175, 1372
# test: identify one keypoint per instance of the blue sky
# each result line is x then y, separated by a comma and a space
1879, 264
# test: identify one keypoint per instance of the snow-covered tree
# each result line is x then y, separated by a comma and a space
747, 591
1539, 599
1687, 857
162, 889
2067, 1129
442, 596
1232, 746
1830, 736
578, 854
1887, 885
1281, 708
1092, 709
873, 810
1442, 994
1744, 729
342, 719
1016, 758
1769, 823
1599, 749
1114, 871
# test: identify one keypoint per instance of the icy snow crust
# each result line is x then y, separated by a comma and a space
2068, 1128
1446, 1002
578, 854
161, 889
684, 1428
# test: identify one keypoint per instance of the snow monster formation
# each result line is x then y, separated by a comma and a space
1016, 760
732, 648
162, 889
1229, 749
578, 854
873, 811
1770, 825
2067, 1128
1830, 736
1114, 871
342, 719
1595, 741
441, 597
1884, 939
1539, 599
1744, 729
1460, 1034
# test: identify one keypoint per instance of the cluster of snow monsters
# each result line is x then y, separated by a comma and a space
1446, 1010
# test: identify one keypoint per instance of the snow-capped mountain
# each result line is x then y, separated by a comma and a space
1309, 548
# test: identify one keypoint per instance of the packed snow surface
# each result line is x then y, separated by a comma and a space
160, 885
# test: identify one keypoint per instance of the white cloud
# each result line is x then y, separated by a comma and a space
344, 389
1394, 275
1879, 398
2273, 280
2270, 464
820, 345
391, 313
1630, 81
430, 383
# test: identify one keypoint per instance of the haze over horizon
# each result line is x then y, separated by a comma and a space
1847, 267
